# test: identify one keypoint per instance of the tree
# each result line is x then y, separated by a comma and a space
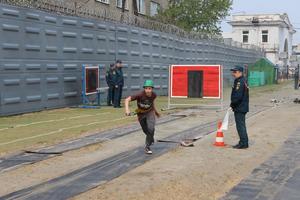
197, 15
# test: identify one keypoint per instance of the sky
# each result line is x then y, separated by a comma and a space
291, 7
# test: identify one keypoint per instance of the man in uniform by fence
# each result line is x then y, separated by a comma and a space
118, 84
110, 73
240, 105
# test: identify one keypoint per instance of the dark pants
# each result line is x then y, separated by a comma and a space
110, 95
118, 96
147, 122
240, 120
120, 93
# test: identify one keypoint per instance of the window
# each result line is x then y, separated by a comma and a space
154, 7
119, 4
103, 1
141, 6
245, 36
265, 36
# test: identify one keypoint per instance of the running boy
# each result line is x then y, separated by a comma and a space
146, 112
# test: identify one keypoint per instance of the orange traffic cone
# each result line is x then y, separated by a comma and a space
220, 137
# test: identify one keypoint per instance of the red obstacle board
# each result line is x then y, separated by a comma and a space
212, 80
91, 76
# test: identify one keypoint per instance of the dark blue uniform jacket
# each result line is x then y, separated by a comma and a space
111, 77
119, 77
240, 96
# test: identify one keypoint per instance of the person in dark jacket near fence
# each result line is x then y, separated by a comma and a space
118, 84
240, 105
110, 73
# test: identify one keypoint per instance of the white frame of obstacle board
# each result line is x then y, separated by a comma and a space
221, 88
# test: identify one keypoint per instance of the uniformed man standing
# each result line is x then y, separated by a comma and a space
119, 84
110, 73
240, 105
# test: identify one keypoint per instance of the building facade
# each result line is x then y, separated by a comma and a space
295, 61
296, 52
144, 7
272, 32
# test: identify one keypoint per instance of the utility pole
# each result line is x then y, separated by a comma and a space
287, 72
75, 8
297, 77
246, 72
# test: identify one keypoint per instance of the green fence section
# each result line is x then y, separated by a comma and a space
261, 73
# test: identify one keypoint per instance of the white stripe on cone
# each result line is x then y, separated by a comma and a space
219, 139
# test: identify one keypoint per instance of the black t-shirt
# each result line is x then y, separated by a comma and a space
145, 104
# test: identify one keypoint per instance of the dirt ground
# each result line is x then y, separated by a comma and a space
70, 161
202, 172
207, 172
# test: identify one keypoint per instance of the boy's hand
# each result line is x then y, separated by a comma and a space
157, 115
127, 113
127, 109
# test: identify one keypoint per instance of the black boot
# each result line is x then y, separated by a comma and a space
241, 146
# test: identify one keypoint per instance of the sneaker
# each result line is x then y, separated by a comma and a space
148, 150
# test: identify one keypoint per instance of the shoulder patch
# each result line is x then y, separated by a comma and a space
238, 85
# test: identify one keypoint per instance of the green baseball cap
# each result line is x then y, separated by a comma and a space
148, 83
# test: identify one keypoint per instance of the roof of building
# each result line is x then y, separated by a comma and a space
265, 60
262, 19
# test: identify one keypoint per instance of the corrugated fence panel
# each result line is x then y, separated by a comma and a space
41, 56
